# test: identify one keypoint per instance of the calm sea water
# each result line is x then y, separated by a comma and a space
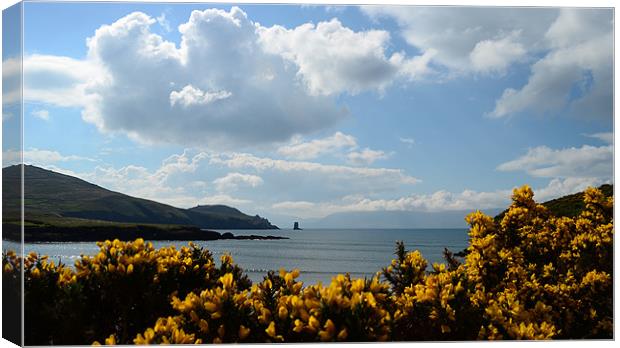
318, 253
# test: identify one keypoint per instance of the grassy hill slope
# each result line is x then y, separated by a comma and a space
219, 216
570, 205
50, 195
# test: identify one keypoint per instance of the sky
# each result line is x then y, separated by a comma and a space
303, 111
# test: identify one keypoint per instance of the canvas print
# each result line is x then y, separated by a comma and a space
200, 173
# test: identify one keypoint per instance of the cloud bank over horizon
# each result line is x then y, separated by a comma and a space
267, 184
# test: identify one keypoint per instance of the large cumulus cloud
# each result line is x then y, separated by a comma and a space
333, 58
228, 83
218, 87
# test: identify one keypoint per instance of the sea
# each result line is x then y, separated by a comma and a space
319, 254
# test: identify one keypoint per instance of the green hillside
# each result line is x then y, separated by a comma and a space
219, 216
570, 205
50, 195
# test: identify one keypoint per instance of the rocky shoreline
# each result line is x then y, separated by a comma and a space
33, 234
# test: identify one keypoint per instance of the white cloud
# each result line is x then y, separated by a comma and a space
181, 163
39, 157
232, 180
576, 46
140, 182
223, 199
416, 68
434, 202
11, 81
607, 137
35, 155
580, 62
61, 81
244, 160
496, 55
191, 96
153, 81
287, 180
313, 149
338, 144
166, 184
11, 157
163, 22
562, 187
574, 26
586, 161
45, 156
408, 141
42, 114
289, 206
333, 58
365, 157
162, 185
470, 39
438, 201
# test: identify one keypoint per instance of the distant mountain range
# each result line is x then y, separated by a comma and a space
570, 205
50, 196
394, 219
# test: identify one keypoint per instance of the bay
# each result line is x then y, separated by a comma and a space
319, 254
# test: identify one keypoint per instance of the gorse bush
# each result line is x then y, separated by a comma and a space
530, 275
120, 290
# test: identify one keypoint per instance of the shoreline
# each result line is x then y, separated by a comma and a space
38, 234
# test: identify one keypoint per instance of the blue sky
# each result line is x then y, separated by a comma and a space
301, 111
